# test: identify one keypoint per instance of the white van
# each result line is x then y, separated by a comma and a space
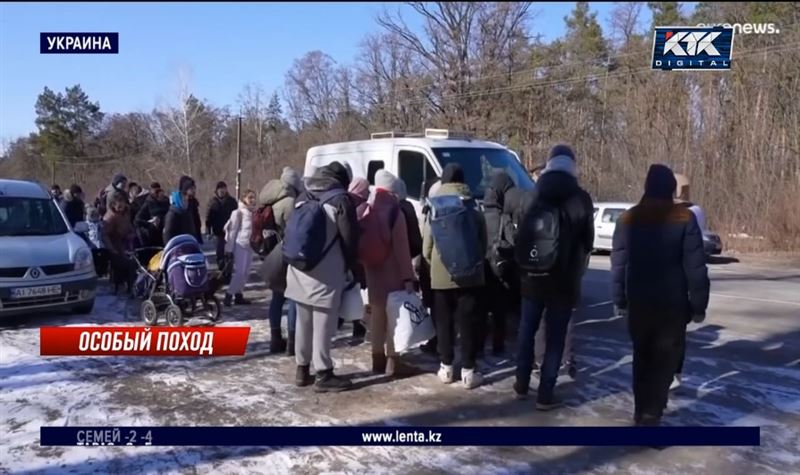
419, 159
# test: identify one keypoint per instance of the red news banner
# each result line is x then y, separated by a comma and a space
143, 341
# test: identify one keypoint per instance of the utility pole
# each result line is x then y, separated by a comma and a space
239, 159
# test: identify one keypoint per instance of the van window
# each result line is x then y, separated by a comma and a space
372, 169
30, 217
611, 215
414, 169
480, 163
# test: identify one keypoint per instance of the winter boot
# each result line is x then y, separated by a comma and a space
396, 368
240, 300
471, 378
303, 376
228, 300
378, 363
359, 330
290, 344
327, 382
276, 343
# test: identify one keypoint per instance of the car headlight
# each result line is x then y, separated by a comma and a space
83, 259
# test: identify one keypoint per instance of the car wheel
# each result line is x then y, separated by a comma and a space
148, 312
174, 315
84, 308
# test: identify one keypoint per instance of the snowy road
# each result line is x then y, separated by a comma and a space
743, 368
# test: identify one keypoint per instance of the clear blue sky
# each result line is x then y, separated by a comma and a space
223, 46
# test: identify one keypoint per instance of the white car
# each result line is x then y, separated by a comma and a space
606, 215
44, 264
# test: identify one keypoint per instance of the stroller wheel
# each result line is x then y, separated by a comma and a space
213, 309
148, 312
174, 315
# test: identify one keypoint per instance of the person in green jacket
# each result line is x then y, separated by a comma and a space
455, 302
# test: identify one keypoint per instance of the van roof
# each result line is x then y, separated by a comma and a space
614, 204
382, 143
22, 189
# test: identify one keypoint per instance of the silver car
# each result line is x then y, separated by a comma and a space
44, 264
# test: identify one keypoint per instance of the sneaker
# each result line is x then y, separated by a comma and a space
445, 373
676, 382
520, 392
327, 382
471, 378
548, 403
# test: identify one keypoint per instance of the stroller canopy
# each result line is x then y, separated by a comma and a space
183, 240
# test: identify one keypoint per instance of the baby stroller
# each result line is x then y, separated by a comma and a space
175, 283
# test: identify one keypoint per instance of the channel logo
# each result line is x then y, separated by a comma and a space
78, 43
685, 48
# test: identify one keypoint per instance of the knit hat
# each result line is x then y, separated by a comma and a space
359, 187
660, 182
452, 173
185, 184
75, 190
155, 186
118, 178
385, 180
340, 171
399, 189
561, 150
291, 178
220, 184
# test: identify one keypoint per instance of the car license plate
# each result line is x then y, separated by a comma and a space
43, 291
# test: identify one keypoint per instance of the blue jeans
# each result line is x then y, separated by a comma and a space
557, 317
276, 312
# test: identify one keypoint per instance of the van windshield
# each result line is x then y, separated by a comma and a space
30, 217
480, 164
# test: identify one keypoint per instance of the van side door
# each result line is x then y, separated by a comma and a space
416, 168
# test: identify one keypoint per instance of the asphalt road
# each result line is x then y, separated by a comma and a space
741, 369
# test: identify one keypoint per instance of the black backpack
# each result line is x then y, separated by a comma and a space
538, 249
502, 259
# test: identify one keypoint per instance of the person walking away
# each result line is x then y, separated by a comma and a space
660, 281
220, 209
280, 195
178, 219
320, 246
149, 221
555, 234
385, 254
454, 245
118, 186
499, 268
72, 205
237, 243
359, 195
118, 234
96, 240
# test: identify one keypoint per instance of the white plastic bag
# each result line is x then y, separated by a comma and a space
408, 320
352, 307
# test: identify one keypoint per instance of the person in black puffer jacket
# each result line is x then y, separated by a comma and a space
72, 205
555, 293
150, 219
179, 219
660, 282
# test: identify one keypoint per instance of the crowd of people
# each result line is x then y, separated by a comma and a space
474, 265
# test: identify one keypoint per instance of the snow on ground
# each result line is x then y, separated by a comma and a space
725, 384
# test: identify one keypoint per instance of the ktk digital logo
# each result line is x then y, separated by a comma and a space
683, 48
78, 43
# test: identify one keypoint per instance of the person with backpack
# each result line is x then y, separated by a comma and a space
220, 209
118, 186
454, 246
179, 220
276, 203
72, 205
423, 270
660, 283
384, 252
238, 231
500, 270
149, 221
320, 246
555, 234
412, 223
